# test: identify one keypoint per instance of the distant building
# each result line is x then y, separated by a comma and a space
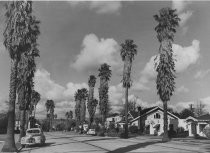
115, 118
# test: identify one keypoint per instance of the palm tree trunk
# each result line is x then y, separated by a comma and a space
34, 110
22, 124
9, 145
165, 119
126, 112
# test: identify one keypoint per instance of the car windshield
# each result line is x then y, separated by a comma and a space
33, 131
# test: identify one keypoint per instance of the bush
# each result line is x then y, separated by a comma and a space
206, 131
133, 129
122, 135
182, 134
172, 134
60, 127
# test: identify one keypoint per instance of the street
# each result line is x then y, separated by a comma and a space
58, 142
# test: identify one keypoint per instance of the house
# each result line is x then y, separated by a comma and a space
196, 125
150, 120
114, 118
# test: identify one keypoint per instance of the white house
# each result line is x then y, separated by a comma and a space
151, 121
196, 125
115, 118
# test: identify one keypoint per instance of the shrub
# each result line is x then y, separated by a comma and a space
182, 134
206, 131
122, 135
172, 134
133, 129
60, 127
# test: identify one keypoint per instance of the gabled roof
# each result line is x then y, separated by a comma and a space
204, 117
151, 110
135, 114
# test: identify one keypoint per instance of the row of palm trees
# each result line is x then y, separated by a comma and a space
167, 20
20, 39
83, 94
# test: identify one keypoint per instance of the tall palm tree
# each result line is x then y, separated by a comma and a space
92, 103
18, 14
26, 69
35, 99
92, 109
77, 107
83, 98
50, 106
128, 51
104, 74
69, 115
167, 20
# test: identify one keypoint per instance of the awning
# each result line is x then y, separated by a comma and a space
156, 126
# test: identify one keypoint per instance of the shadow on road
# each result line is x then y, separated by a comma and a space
133, 147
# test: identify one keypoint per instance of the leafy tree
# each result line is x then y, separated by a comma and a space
50, 106
34, 101
17, 40
104, 74
128, 51
186, 113
69, 115
167, 20
92, 103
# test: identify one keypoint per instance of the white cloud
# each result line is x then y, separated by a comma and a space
97, 51
184, 56
101, 7
201, 74
49, 89
183, 13
179, 5
182, 89
185, 17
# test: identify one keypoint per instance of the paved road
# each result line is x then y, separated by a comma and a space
58, 142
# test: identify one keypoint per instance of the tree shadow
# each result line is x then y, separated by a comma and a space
133, 147
99, 139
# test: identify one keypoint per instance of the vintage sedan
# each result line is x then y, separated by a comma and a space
91, 132
33, 136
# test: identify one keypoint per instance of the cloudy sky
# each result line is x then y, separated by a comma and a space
76, 37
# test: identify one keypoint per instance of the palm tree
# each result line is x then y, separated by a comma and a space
16, 34
167, 20
83, 98
92, 103
104, 74
92, 109
128, 51
69, 115
26, 69
35, 99
50, 105
77, 107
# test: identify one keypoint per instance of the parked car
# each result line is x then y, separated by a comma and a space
33, 136
91, 132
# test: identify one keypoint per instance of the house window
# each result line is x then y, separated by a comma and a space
157, 115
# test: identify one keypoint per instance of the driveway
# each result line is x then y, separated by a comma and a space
58, 142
